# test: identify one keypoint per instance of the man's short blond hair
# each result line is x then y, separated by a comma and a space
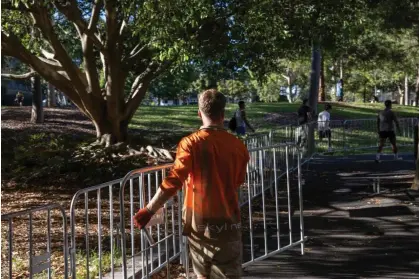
212, 103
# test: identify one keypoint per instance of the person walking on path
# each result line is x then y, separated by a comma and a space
213, 164
241, 120
304, 116
323, 124
385, 129
19, 98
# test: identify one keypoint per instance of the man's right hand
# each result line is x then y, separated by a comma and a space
142, 218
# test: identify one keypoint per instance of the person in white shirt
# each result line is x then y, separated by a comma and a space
323, 122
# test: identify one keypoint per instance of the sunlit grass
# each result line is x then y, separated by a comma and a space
172, 123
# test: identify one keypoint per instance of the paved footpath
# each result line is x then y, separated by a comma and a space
352, 232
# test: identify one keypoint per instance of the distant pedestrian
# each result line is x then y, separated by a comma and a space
323, 124
241, 120
19, 98
339, 91
304, 116
210, 166
385, 129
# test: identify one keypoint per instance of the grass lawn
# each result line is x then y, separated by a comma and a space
169, 124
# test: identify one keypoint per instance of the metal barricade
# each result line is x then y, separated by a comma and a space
140, 256
260, 140
267, 218
362, 133
95, 237
35, 258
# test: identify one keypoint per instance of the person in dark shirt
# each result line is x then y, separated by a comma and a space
304, 113
385, 129
304, 116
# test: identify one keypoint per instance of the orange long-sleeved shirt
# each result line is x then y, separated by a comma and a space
213, 163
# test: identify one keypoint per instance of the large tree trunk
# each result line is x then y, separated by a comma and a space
51, 96
289, 95
406, 90
314, 91
415, 185
417, 88
37, 110
401, 95
322, 89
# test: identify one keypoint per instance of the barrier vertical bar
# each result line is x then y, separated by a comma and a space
263, 202
86, 214
166, 228
276, 200
99, 236
158, 226
288, 193
49, 240
300, 194
131, 207
10, 256
250, 214
30, 245
111, 229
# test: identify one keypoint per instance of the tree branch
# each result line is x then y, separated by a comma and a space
11, 46
43, 22
22, 76
72, 12
140, 86
97, 6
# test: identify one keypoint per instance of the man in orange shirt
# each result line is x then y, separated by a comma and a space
211, 163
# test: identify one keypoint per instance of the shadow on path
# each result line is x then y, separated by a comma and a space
353, 233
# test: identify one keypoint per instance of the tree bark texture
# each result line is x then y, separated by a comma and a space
401, 95
417, 87
415, 185
406, 90
37, 109
314, 78
51, 100
322, 88
314, 91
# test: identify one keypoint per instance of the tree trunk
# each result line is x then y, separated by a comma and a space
51, 96
314, 91
37, 110
406, 90
417, 88
415, 185
365, 93
322, 89
399, 88
314, 78
289, 95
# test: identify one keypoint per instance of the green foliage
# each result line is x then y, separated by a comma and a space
174, 84
235, 89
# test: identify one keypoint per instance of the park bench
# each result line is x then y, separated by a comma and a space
377, 179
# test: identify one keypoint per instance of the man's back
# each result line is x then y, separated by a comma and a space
386, 117
218, 167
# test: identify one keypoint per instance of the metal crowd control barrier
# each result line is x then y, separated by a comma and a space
36, 256
267, 220
95, 209
145, 256
362, 133
346, 135
259, 140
